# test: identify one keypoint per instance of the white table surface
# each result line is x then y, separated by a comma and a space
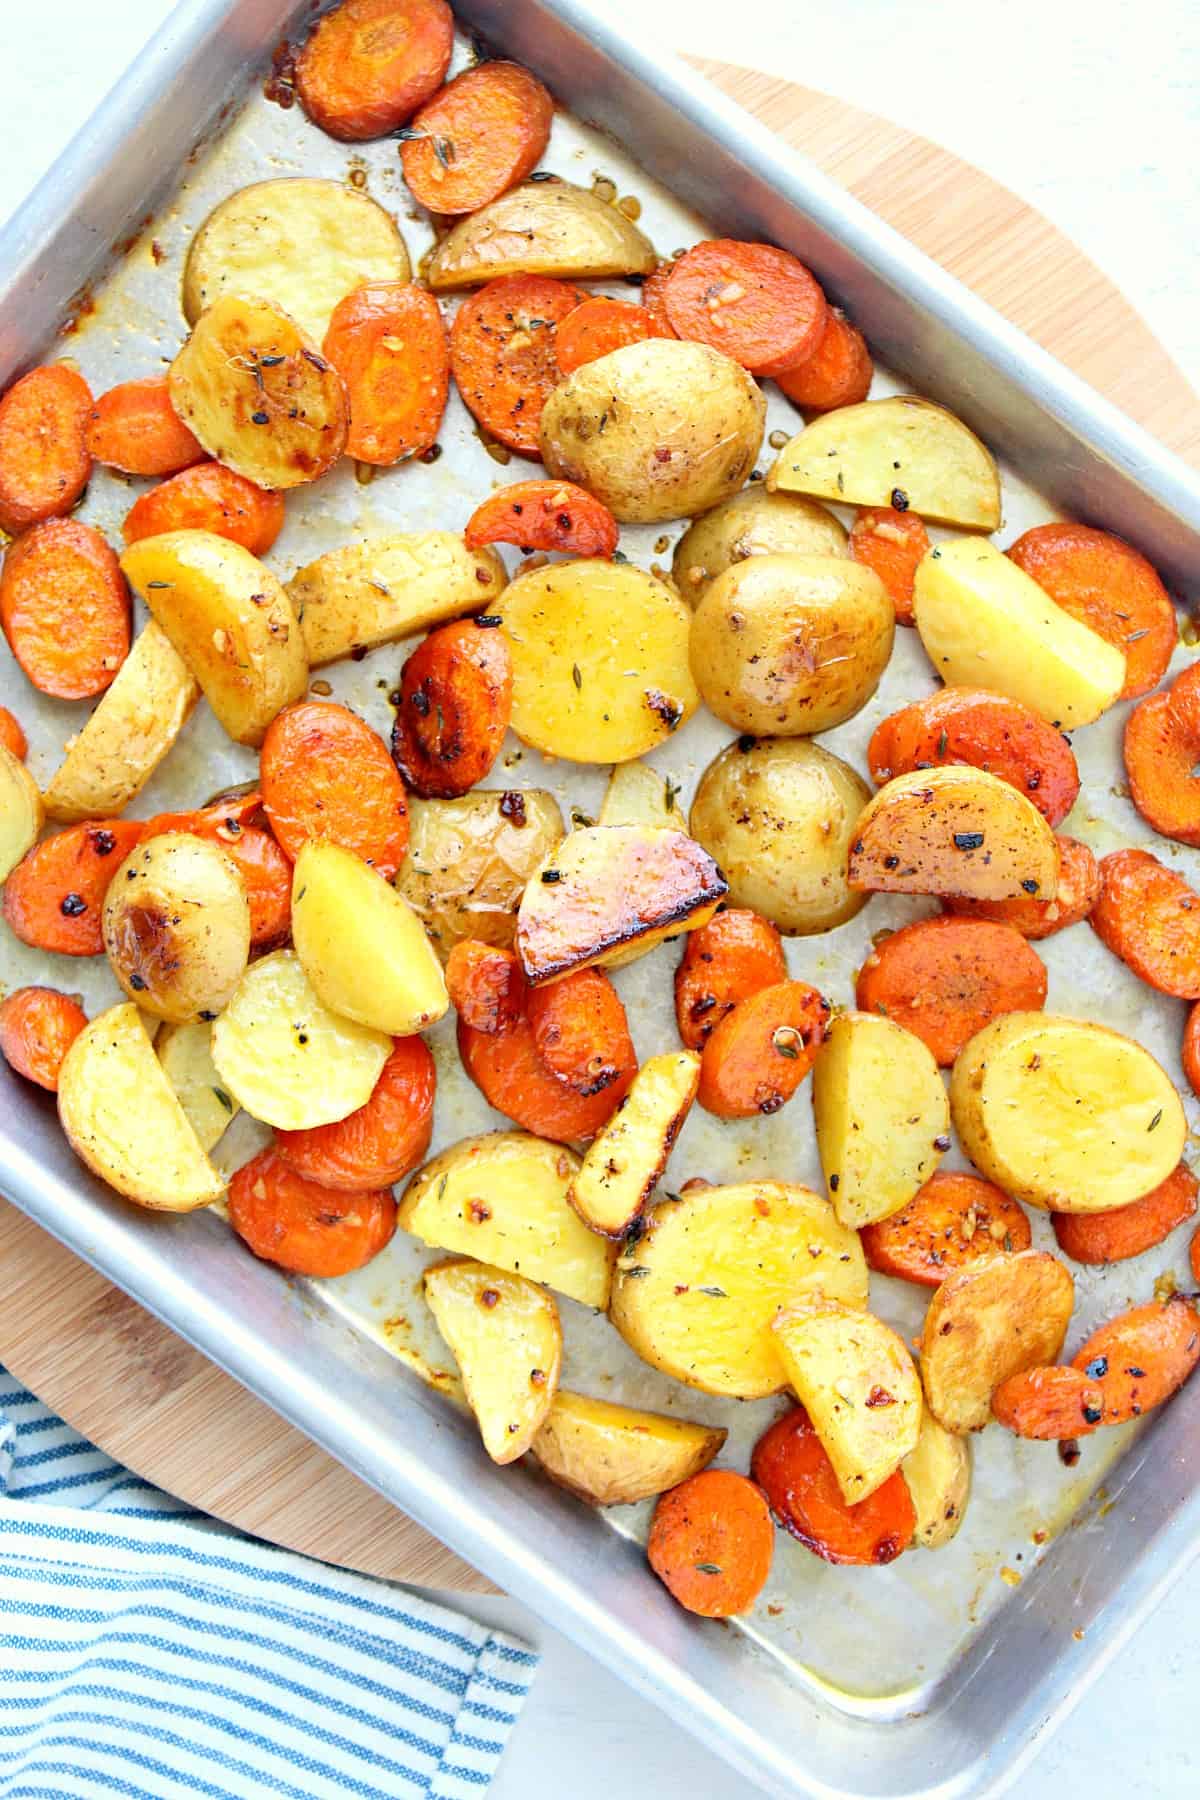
1091, 110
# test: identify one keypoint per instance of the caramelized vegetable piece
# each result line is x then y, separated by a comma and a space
987, 1321
838, 373
953, 1220
1139, 1359
209, 497
380, 1143
11, 734
64, 607
735, 955
482, 134
760, 1052
1185, 702
455, 703
326, 774
1055, 1402
892, 543
44, 460
953, 831
1078, 892
302, 1226
544, 515
369, 64
581, 1033
503, 356
1126, 1231
711, 1543
1191, 1050
1161, 752
793, 1470
1149, 917
265, 871
599, 325
754, 303
511, 1076
627, 1158
945, 978
38, 1025
654, 298
1194, 1257
388, 343
54, 898
504, 1333
135, 428
486, 987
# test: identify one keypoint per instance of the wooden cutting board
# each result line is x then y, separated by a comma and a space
160, 1407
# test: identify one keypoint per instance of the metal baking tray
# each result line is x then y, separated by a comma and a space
932, 1676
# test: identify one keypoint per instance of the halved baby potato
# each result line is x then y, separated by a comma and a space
506, 1338
177, 926
986, 1322
540, 228
185, 1052
896, 452
937, 1474
612, 1455
469, 860
123, 1119
953, 830
638, 795
1065, 1114
752, 523
389, 587
21, 812
626, 1158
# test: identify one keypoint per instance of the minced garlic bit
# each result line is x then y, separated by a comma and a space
1010, 1577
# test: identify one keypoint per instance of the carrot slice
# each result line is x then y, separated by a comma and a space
482, 134
1191, 1050
1194, 1257
11, 735
581, 1032
790, 1465
654, 298
945, 978
711, 1543
1077, 893
134, 427
1160, 760
1149, 917
380, 1143
1185, 702
503, 356
953, 1220
838, 373
1140, 1358
486, 985
44, 460
757, 304
1127, 1231
735, 955
54, 898
544, 515
455, 703
369, 64
64, 607
326, 774
599, 325
512, 1077
264, 869
209, 497
303, 1225
892, 543
758, 1055
1045, 1403
38, 1025
1104, 582
387, 341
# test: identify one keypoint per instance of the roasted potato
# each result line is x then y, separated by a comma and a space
882, 1117
1065, 1114
613, 1455
987, 1322
897, 452
753, 523
790, 644
136, 722
21, 811
623, 1164
638, 795
954, 830
938, 1477
503, 1199
611, 890
185, 1052
507, 1341
285, 1057
302, 243
177, 927
256, 391
985, 623
699, 1284
122, 1117
385, 588
469, 860
229, 619
599, 660
540, 228
779, 816
657, 430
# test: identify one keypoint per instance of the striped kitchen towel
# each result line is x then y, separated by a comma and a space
149, 1653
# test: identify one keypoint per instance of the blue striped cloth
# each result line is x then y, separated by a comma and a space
148, 1653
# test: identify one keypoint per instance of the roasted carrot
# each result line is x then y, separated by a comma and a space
1054, 1402
380, 1143
387, 341
64, 607
11, 734
838, 373
581, 1033
654, 291
1104, 582
1191, 1050
44, 460
369, 64
209, 497
758, 1055
892, 543
503, 357
264, 869
478, 137
511, 1076
945, 978
1160, 757
1194, 1257
486, 985
1185, 702
735, 955
455, 703
326, 774
790, 1465
54, 898
1140, 1358
599, 325
757, 304
38, 1025
544, 515
135, 428
1149, 917
303, 1225
953, 1220
1077, 893
1108, 1237
711, 1543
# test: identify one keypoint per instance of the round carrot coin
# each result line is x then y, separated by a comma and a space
1194, 1257
1160, 757
264, 869
757, 304
738, 953
581, 1033
757, 1056
711, 1543
503, 356
1191, 1050
380, 1143
544, 515
1077, 893
953, 1220
945, 978
654, 298
369, 64
11, 735
209, 497
1104, 582
387, 341
486, 985
838, 373
455, 703
1126, 1231
44, 460
1139, 1359
599, 325
326, 774
135, 428
1056, 1402
38, 1025
1185, 702
1149, 917
512, 1077
892, 543
790, 1465
64, 607
54, 898
478, 137
303, 1225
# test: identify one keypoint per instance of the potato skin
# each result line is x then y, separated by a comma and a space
612, 1455
177, 927
753, 523
469, 860
956, 831
20, 811
540, 228
938, 1477
987, 1322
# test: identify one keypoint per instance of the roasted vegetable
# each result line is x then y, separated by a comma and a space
507, 1342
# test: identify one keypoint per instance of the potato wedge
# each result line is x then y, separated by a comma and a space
613, 1455
699, 1284
506, 1338
540, 228
503, 1198
177, 926
938, 1477
882, 1117
386, 588
137, 720
599, 659
21, 811
608, 890
287, 1059
1065, 1114
753, 523
987, 1322
230, 620
985, 623
953, 830
122, 1117
469, 860
638, 795
865, 454
256, 391
301, 242
185, 1052
362, 946
859, 1385
624, 1162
